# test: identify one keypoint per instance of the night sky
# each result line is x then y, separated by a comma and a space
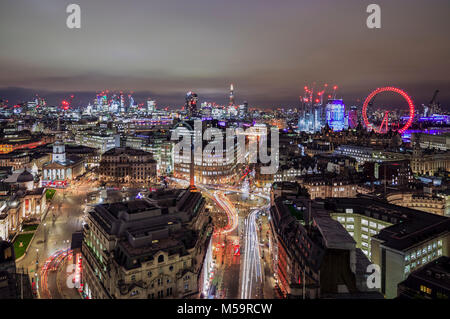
269, 49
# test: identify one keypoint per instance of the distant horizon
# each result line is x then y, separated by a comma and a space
82, 99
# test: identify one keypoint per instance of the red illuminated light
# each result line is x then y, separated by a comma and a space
389, 89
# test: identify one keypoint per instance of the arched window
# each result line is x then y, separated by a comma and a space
161, 258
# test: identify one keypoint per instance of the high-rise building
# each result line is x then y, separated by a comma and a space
151, 106
353, 117
191, 103
335, 111
231, 94
243, 110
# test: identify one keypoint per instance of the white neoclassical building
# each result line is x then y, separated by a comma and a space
61, 170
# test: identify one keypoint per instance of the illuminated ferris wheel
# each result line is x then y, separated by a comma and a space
386, 122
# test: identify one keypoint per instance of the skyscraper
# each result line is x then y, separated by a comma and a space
243, 109
335, 114
353, 117
231, 94
191, 103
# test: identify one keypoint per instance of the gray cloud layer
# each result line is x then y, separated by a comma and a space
270, 49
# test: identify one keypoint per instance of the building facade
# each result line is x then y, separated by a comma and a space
145, 249
126, 166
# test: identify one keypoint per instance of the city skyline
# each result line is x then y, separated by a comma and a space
225, 155
164, 49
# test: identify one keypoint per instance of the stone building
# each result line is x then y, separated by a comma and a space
126, 166
151, 248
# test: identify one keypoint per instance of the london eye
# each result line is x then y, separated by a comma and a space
387, 122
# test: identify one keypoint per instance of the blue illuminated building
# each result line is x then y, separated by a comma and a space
335, 112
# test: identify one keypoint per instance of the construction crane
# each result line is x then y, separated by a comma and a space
67, 103
434, 97
433, 106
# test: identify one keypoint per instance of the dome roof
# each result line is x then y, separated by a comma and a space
25, 176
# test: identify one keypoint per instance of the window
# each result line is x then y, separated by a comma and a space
186, 287
350, 219
364, 237
407, 258
134, 293
133, 277
171, 268
161, 258
425, 289
407, 268
364, 222
149, 274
